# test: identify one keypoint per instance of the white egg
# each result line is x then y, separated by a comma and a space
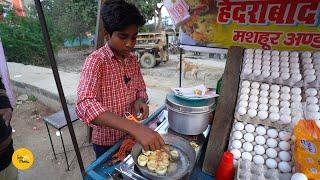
284, 156
275, 88
296, 90
296, 77
265, 87
274, 95
266, 63
285, 96
263, 115
284, 145
245, 90
258, 51
284, 167
244, 97
283, 71
296, 105
257, 60
237, 135
236, 153
257, 67
236, 144
258, 149
249, 128
254, 92
268, 52
310, 78
239, 126
273, 101
309, 72
275, 75
266, 57
272, 143
253, 98
248, 137
285, 75
247, 156
266, 74
312, 100
258, 159
260, 140
271, 153
247, 147
247, 71
257, 72
261, 130
308, 66
284, 53
285, 89
252, 113
285, 119
313, 115
263, 100
294, 65
306, 54
284, 64
253, 105
272, 133
316, 54
313, 108
294, 54
285, 104
299, 176
274, 109
265, 68
274, 117
295, 71
275, 67
243, 103
285, 110
249, 51
245, 84
271, 163
263, 107
284, 136
311, 92
275, 53
255, 85
264, 93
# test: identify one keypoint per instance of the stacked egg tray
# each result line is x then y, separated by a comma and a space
278, 67
247, 170
262, 145
269, 104
311, 69
312, 104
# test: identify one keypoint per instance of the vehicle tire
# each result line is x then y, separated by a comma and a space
147, 60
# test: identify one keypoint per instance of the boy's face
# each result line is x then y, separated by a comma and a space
123, 41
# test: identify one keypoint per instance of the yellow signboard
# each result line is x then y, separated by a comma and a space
266, 24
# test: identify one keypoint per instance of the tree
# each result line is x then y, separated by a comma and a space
150, 9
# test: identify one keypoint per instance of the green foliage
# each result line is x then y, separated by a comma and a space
32, 98
22, 40
146, 7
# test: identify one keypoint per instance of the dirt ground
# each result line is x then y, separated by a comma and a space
30, 130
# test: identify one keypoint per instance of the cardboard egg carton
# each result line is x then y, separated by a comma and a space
265, 146
246, 170
295, 113
291, 81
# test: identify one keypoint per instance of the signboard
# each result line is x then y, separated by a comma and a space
266, 24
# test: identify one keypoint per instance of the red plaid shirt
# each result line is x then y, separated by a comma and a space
102, 88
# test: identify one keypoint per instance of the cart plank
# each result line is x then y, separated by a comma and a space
224, 114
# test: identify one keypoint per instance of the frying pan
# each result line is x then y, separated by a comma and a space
177, 169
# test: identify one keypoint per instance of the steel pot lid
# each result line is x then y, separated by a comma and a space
199, 106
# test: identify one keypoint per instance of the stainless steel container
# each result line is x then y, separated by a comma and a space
188, 117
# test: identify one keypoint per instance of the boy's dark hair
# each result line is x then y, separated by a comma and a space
118, 15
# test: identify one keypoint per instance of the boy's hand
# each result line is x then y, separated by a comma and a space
141, 107
6, 115
149, 139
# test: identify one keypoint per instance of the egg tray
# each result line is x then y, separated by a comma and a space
267, 122
316, 67
277, 159
246, 170
305, 104
279, 80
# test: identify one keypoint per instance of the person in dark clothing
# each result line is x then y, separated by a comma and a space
7, 171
